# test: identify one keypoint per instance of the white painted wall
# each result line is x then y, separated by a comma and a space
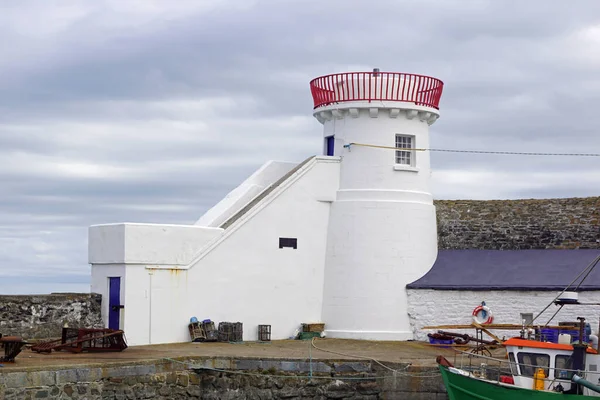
106, 244
235, 200
137, 323
428, 307
382, 232
100, 284
172, 297
154, 244
242, 275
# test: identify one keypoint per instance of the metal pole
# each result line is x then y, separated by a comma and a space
310, 359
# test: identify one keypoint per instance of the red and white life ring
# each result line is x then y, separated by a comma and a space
479, 309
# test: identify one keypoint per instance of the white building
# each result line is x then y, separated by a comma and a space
333, 239
515, 285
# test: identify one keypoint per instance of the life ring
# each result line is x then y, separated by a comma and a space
479, 309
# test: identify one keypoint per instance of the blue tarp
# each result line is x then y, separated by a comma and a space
509, 270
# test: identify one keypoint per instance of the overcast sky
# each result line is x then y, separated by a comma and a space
152, 111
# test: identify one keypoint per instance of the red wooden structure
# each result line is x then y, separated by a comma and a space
77, 340
12, 347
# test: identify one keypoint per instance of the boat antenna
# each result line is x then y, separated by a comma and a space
585, 273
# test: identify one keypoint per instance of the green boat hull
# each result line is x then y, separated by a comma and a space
461, 387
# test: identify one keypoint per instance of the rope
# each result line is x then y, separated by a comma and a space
348, 146
395, 371
383, 147
354, 356
586, 271
555, 314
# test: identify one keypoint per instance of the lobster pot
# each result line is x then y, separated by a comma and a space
264, 333
212, 335
197, 333
230, 331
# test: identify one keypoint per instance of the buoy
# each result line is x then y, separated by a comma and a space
485, 310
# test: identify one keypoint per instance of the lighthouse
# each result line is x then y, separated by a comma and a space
382, 224
334, 238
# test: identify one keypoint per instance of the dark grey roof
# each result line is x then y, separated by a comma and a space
509, 270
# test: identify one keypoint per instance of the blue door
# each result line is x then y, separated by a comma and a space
329, 145
114, 302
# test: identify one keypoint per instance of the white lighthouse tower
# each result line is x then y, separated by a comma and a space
382, 225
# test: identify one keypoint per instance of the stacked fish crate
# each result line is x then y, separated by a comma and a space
231, 331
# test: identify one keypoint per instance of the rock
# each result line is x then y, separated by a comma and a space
182, 380
287, 393
367, 388
43, 316
68, 389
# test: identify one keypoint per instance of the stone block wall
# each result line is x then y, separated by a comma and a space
43, 316
571, 223
234, 379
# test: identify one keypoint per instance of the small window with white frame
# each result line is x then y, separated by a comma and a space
403, 157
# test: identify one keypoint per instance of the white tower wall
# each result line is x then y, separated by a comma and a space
382, 227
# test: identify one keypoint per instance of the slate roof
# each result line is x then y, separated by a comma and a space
509, 270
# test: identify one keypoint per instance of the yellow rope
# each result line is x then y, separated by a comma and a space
475, 151
385, 147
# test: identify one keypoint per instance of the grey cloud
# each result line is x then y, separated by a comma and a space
113, 112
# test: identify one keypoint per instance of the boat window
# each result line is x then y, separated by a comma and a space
565, 362
529, 362
513, 363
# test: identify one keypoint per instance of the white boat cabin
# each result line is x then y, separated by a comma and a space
555, 359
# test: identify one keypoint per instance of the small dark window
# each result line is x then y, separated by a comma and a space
288, 242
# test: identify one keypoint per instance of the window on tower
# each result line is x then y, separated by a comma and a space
404, 157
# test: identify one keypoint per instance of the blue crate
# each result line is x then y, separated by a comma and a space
441, 341
549, 335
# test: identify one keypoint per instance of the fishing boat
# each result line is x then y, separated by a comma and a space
534, 368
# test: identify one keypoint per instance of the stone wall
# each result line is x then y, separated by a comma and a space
43, 316
519, 224
428, 307
234, 379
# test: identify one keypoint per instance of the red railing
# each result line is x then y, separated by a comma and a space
376, 86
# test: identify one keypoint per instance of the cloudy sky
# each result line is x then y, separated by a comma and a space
151, 111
